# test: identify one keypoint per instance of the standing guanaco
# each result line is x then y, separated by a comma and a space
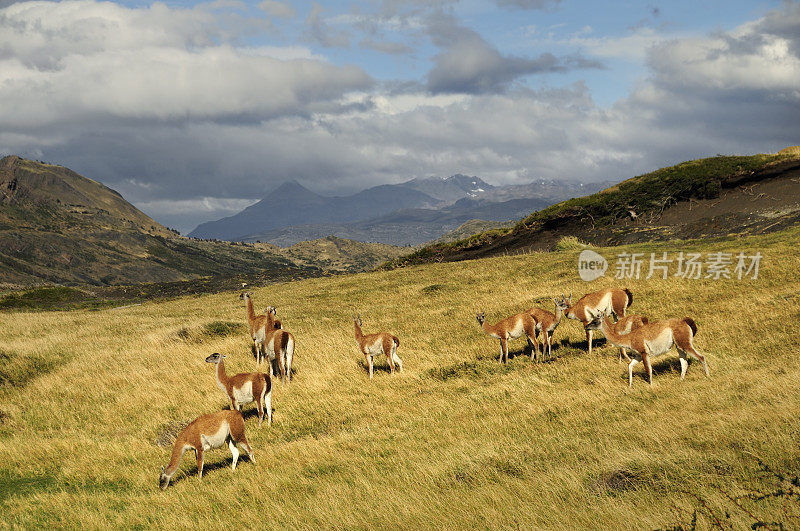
381, 343
204, 433
610, 300
258, 323
653, 339
511, 328
279, 344
547, 322
244, 388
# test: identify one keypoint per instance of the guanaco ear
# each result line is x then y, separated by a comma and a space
162, 470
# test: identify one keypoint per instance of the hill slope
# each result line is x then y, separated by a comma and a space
458, 439
708, 197
59, 227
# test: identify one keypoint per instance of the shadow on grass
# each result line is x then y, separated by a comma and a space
208, 467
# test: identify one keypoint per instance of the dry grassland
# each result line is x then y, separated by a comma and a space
90, 402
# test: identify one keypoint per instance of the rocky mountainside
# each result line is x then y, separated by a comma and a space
57, 227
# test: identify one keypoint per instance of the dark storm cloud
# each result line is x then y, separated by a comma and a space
468, 64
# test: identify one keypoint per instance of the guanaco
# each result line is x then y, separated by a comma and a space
653, 339
244, 388
279, 344
547, 322
204, 433
258, 323
381, 343
511, 328
610, 300
626, 325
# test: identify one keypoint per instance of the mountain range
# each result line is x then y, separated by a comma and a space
409, 213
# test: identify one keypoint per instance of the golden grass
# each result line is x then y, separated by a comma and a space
457, 440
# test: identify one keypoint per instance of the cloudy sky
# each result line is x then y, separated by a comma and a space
193, 110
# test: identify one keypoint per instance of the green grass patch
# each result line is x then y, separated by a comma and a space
51, 298
16, 370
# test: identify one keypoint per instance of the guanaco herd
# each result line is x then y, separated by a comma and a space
645, 340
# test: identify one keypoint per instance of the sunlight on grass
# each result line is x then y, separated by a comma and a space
90, 402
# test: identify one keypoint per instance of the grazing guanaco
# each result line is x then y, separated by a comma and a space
381, 343
511, 328
610, 300
547, 322
625, 326
651, 340
279, 344
204, 433
244, 388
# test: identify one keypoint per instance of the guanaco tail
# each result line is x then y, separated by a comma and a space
244, 388
653, 339
204, 433
511, 328
611, 300
381, 343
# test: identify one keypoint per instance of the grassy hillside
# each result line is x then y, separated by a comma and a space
90, 402
339, 254
634, 210
470, 228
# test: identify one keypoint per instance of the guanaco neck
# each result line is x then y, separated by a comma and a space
611, 335
251, 314
359, 333
177, 454
559, 314
222, 377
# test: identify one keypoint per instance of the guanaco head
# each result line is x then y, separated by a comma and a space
163, 481
480, 316
271, 309
597, 319
244, 296
561, 302
357, 318
215, 358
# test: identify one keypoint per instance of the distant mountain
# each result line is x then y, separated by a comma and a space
292, 213
450, 189
59, 227
293, 204
408, 226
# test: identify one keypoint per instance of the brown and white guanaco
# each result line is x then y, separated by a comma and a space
626, 325
653, 339
611, 300
278, 344
257, 323
547, 322
511, 328
244, 388
372, 345
204, 433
